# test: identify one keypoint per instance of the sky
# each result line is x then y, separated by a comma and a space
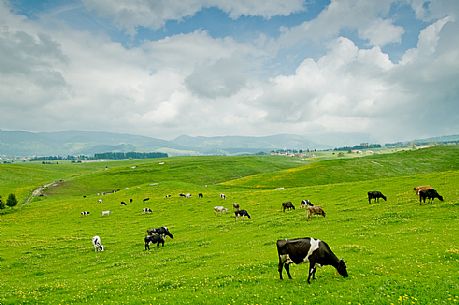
384, 70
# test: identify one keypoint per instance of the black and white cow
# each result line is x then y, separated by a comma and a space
84, 213
130, 200
430, 194
123, 203
200, 195
376, 195
146, 199
222, 196
305, 203
154, 239
163, 231
310, 250
147, 210
241, 213
287, 206
97, 243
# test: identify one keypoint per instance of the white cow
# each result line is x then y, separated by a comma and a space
106, 213
96, 242
219, 209
222, 196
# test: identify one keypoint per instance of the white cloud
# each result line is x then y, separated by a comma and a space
61, 78
130, 14
382, 32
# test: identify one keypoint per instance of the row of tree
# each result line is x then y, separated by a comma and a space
11, 201
129, 155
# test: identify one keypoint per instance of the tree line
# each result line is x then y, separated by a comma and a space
129, 155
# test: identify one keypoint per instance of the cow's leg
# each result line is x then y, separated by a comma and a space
279, 268
312, 271
287, 268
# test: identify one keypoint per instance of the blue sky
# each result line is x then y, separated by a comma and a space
166, 68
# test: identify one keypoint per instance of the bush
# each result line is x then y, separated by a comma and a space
11, 201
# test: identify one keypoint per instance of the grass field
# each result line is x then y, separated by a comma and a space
397, 252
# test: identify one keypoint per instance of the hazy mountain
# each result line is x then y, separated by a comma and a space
63, 143
234, 144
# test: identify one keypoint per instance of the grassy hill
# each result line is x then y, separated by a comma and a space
396, 252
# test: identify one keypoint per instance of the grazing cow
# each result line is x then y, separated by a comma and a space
84, 196
163, 231
100, 200
168, 196
305, 203
431, 194
375, 195
146, 199
154, 238
123, 203
287, 206
200, 195
219, 209
130, 200
236, 206
187, 195
147, 210
222, 196
417, 189
96, 242
315, 210
182, 195
306, 249
106, 213
84, 213
241, 213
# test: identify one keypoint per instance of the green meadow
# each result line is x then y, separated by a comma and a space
396, 252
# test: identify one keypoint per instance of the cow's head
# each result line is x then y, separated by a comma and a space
167, 233
342, 268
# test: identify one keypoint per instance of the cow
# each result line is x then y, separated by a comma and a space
100, 200
96, 242
200, 195
241, 213
287, 206
130, 200
431, 194
123, 203
84, 213
417, 189
222, 196
187, 195
182, 195
168, 196
219, 209
301, 250
305, 203
375, 195
147, 210
106, 213
315, 210
163, 231
146, 199
154, 238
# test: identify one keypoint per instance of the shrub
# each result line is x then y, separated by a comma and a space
11, 201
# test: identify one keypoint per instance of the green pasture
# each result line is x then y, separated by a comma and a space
397, 252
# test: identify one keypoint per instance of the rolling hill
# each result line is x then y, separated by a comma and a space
396, 251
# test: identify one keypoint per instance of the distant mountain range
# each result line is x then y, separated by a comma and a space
63, 143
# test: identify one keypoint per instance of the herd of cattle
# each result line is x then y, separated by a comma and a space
289, 251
